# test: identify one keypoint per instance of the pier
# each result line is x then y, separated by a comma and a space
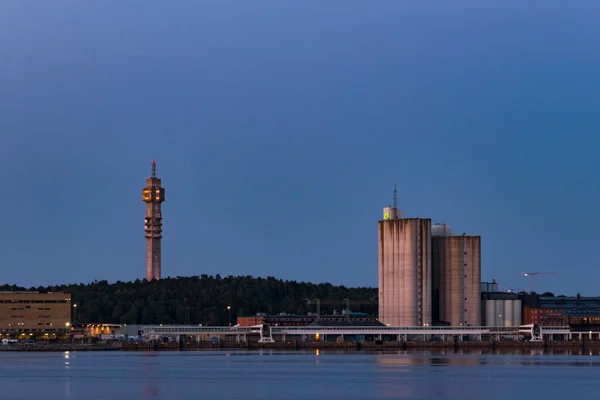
272, 334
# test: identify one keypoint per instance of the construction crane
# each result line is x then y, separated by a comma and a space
533, 274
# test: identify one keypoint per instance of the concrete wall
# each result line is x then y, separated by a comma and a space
405, 272
456, 269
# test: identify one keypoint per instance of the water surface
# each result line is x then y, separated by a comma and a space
268, 375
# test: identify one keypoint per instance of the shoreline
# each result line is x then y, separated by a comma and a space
57, 347
348, 346
351, 346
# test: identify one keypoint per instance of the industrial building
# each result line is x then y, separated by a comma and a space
35, 313
153, 195
404, 269
350, 318
456, 275
580, 313
501, 309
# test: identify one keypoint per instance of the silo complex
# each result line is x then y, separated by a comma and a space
456, 271
404, 270
503, 312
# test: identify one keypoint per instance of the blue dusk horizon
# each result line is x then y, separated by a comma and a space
279, 129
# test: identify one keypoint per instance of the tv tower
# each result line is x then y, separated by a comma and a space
153, 195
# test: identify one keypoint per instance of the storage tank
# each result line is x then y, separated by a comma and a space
508, 313
490, 311
442, 229
517, 317
456, 269
405, 272
487, 287
498, 313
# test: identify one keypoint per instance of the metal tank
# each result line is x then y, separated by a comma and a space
442, 229
508, 313
517, 317
499, 313
490, 311
405, 272
456, 268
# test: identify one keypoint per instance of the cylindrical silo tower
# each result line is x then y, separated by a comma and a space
499, 313
490, 312
508, 311
456, 268
517, 318
404, 270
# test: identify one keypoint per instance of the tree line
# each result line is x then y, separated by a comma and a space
203, 299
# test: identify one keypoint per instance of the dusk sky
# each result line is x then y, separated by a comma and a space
280, 127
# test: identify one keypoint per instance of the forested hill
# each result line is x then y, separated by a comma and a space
207, 297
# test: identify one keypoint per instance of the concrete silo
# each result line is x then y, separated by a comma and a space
404, 270
517, 307
456, 270
490, 311
501, 309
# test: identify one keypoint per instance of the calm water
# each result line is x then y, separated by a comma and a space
296, 375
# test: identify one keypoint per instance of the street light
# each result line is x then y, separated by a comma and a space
229, 310
74, 312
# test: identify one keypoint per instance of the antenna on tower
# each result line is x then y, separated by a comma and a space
153, 169
395, 198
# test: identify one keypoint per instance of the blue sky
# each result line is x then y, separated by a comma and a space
280, 127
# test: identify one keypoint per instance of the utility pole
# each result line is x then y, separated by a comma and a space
185, 310
318, 308
533, 274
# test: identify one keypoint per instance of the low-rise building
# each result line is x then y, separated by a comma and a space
580, 313
305, 320
38, 314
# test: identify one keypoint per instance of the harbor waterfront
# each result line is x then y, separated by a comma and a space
467, 374
180, 337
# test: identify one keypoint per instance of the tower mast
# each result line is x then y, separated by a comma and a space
153, 195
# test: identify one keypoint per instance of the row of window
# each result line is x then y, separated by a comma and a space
28, 307
22, 316
34, 301
32, 330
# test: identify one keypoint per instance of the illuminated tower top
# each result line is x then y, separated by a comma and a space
153, 192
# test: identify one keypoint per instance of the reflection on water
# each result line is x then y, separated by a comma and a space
149, 364
465, 374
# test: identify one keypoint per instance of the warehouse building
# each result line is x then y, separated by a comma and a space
38, 314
